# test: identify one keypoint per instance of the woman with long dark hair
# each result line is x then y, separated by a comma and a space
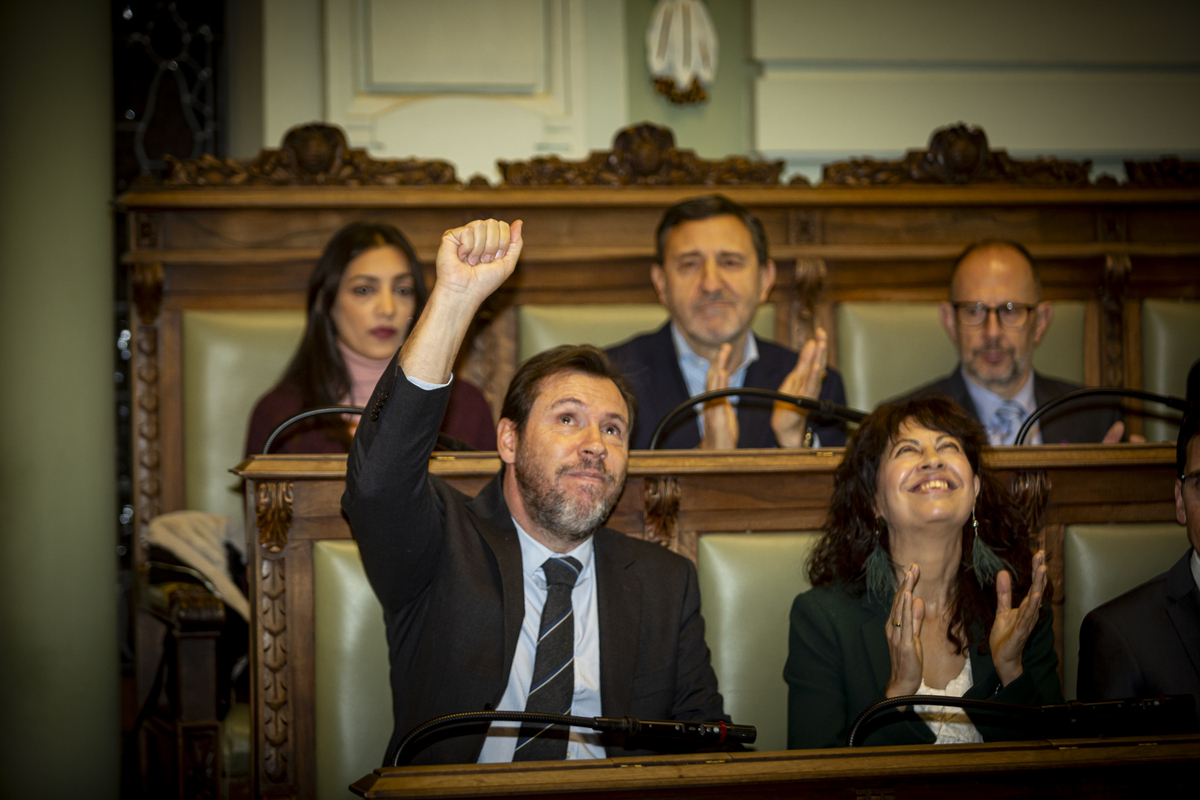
924, 582
363, 296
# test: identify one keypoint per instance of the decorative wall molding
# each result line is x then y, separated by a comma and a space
147, 289
957, 155
310, 155
642, 155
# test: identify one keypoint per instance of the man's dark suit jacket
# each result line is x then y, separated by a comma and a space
838, 665
1076, 422
1145, 642
651, 366
447, 570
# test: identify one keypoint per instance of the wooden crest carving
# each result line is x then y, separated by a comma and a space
309, 155
1166, 173
957, 155
273, 514
642, 155
660, 501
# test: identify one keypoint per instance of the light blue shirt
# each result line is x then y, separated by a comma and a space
986, 402
501, 738
695, 369
583, 743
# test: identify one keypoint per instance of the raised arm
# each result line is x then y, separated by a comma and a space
394, 514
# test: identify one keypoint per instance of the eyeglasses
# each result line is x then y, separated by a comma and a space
1010, 315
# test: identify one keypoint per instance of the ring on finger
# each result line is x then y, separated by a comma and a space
897, 624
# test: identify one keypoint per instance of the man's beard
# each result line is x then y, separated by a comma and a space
571, 518
994, 382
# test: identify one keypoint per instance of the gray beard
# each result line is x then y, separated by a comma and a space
569, 519
994, 384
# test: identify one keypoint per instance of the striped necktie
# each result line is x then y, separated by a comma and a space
1006, 422
553, 685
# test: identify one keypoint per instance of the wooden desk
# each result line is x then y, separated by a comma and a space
670, 496
1066, 768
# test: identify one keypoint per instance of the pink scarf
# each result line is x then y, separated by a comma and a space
364, 374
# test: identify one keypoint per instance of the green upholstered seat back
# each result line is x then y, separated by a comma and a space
353, 695
230, 359
1170, 345
1105, 561
886, 349
747, 584
540, 327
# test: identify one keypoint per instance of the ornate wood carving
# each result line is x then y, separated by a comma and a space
273, 514
809, 282
1166, 173
957, 155
309, 155
146, 288
276, 745
660, 500
1112, 294
200, 761
1031, 488
642, 155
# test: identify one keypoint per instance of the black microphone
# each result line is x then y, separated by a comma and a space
702, 733
1076, 720
445, 440
1174, 402
825, 407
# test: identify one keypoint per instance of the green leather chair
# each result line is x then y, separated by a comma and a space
1170, 345
1104, 561
885, 349
230, 359
540, 327
353, 694
747, 584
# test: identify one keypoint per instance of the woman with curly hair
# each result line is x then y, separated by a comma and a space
923, 583
363, 298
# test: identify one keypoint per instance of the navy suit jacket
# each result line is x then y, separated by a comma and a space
447, 570
651, 365
1145, 642
1077, 422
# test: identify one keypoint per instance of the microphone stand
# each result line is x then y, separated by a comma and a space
1128, 717
825, 407
708, 733
448, 442
1098, 391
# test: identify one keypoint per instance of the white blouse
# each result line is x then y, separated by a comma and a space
950, 725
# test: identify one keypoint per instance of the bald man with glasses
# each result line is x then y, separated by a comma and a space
996, 317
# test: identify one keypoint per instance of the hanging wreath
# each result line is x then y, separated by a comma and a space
681, 50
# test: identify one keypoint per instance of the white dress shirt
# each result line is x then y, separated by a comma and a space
583, 743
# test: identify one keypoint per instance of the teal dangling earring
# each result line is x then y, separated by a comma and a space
881, 578
984, 561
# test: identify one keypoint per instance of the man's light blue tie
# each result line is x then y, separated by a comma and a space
1006, 422
553, 685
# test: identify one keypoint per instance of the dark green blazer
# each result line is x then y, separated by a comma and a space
838, 665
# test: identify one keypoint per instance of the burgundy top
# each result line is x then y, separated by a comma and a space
468, 417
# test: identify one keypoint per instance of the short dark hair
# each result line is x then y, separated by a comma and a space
984, 244
706, 207
851, 530
526, 384
1189, 428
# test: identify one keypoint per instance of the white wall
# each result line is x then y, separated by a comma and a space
1101, 79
